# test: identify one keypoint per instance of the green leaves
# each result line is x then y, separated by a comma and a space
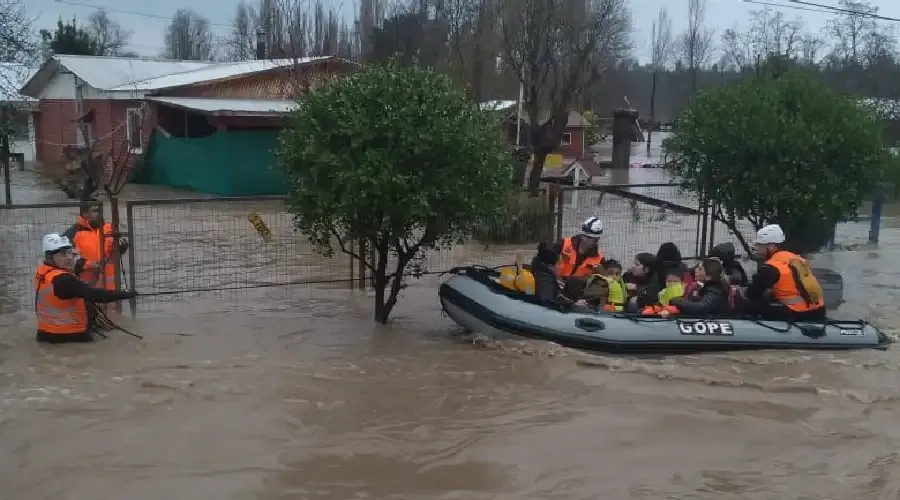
393, 155
780, 149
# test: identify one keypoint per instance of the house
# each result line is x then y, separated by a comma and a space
572, 144
19, 112
127, 107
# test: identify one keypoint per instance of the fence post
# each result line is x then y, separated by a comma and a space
875, 222
132, 273
362, 264
352, 244
117, 255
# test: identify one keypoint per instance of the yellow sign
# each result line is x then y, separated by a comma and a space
260, 226
553, 160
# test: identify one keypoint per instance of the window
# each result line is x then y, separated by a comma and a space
133, 121
566, 139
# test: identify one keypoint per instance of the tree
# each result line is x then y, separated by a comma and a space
397, 159
16, 51
696, 41
558, 48
241, 44
662, 46
188, 37
779, 148
69, 39
108, 34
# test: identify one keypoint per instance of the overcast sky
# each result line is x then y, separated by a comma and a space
147, 29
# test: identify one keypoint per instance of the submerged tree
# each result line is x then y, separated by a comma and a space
397, 159
779, 148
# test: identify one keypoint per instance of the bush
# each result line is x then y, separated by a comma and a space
525, 220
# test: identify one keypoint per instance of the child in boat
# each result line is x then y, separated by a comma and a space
606, 290
674, 289
712, 297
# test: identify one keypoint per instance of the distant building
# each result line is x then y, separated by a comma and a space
20, 109
572, 144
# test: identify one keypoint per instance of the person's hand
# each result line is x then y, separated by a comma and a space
581, 303
630, 287
131, 293
664, 313
123, 244
91, 266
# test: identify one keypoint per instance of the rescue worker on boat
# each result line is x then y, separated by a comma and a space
61, 300
784, 287
96, 265
580, 257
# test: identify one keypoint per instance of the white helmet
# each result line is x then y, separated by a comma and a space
770, 235
592, 227
54, 243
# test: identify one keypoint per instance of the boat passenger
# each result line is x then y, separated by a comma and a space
638, 280
668, 260
606, 290
733, 269
674, 289
547, 286
580, 255
712, 292
61, 300
784, 287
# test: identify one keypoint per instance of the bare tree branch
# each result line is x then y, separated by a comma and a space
188, 37
109, 35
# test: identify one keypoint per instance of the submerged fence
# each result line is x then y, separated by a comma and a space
198, 245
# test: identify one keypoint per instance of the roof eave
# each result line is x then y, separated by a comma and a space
40, 78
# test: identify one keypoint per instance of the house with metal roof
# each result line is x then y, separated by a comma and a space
572, 142
122, 108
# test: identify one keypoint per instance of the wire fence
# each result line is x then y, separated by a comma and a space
246, 247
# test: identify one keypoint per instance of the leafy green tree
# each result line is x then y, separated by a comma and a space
779, 148
69, 38
397, 159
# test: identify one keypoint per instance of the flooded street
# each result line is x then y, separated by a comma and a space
293, 393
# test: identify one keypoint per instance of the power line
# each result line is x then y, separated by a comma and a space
872, 15
127, 12
795, 7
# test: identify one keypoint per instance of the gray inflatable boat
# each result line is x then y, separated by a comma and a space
472, 298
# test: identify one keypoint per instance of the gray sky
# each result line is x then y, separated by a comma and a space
147, 39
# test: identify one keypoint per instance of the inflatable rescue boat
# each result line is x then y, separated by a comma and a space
473, 298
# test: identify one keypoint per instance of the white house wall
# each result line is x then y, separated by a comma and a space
62, 87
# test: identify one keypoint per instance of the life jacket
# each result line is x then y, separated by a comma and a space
671, 291
86, 240
568, 256
56, 316
517, 278
616, 293
655, 310
797, 287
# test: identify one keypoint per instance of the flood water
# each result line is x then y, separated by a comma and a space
293, 393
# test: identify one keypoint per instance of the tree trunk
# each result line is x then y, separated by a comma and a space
537, 168
384, 305
652, 112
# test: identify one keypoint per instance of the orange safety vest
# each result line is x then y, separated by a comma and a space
655, 310
567, 259
55, 315
87, 242
797, 288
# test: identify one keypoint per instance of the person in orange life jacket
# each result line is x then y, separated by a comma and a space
61, 300
711, 297
85, 235
783, 288
580, 254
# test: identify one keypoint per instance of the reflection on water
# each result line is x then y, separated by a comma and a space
293, 393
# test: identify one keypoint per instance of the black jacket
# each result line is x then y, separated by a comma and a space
712, 300
546, 286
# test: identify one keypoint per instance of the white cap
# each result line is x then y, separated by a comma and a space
770, 235
592, 227
54, 243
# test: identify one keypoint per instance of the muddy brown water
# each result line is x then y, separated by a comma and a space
293, 393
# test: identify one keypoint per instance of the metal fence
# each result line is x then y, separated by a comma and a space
208, 245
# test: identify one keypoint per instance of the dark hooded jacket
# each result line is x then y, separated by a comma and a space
546, 284
733, 269
711, 300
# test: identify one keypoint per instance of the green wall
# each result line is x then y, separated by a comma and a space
224, 163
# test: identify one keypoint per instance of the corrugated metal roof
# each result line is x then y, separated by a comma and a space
12, 77
228, 106
211, 73
109, 73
